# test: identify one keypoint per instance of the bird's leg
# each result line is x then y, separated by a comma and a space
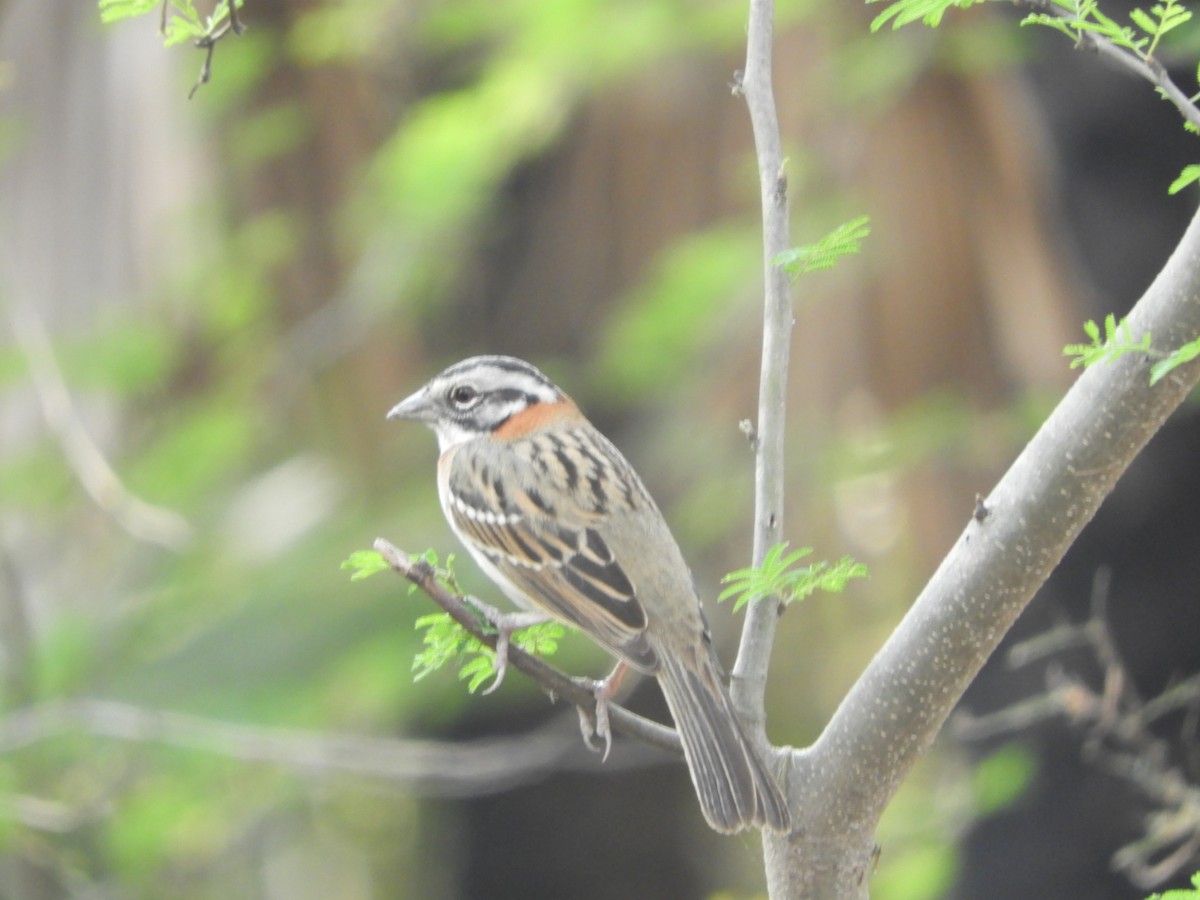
505, 624
597, 725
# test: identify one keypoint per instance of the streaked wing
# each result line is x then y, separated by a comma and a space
564, 567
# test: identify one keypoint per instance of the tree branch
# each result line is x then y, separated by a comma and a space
895, 710
754, 652
1148, 68
555, 682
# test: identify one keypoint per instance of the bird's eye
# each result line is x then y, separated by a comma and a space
463, 395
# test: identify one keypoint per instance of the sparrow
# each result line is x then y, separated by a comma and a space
556, 516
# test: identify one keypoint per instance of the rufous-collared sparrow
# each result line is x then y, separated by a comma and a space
555, 515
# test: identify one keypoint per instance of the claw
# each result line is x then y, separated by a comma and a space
590, 727
505, 624
595, 723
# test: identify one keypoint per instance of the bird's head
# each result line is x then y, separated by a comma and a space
478, 397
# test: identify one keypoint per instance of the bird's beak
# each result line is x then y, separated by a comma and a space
417, 408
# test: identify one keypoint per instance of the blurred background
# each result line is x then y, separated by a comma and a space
209, 305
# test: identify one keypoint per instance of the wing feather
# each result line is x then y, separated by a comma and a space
566, 569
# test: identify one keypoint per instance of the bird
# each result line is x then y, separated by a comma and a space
555, 515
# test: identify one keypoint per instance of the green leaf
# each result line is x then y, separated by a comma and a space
116, 10
1001, 778
1181, 893
1116, 342
780, 576
446, 641
476, 671
905, 12
184, 23
844, 240
1184, 354
364, 563
1162, 18
541, 639
1057, 23
1143, 21
1187, 176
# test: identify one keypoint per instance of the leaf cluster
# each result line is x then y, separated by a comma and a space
780, 576
365, 563
845, 240
1142, 38
1073, 18
1115, 342
445, 640
185, 23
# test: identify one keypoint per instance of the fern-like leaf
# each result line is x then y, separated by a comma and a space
1187, 176
446, 641
363, 564
780, 576
1181, 893
116, 10
1114, 343
906, 12
844, 240
1184, 354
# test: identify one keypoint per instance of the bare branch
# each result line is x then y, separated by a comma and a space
142, 520
208, 43
1116, 738
455, 768
754, 83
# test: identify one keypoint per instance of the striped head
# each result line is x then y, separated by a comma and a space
478, 397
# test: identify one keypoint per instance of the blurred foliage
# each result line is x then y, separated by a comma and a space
1000, 778
655, 333
921, 827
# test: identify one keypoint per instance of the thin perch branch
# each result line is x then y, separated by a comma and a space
555, 682
754, 652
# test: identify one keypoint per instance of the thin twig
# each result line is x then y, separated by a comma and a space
1149, 69
232, 25
235, 21
754, 84
208, 44
457, 768
142, 520
1116, 738
555, 682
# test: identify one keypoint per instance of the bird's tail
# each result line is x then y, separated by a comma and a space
735, 788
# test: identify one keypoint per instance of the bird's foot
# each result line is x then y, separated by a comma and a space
594, 722
505, 624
